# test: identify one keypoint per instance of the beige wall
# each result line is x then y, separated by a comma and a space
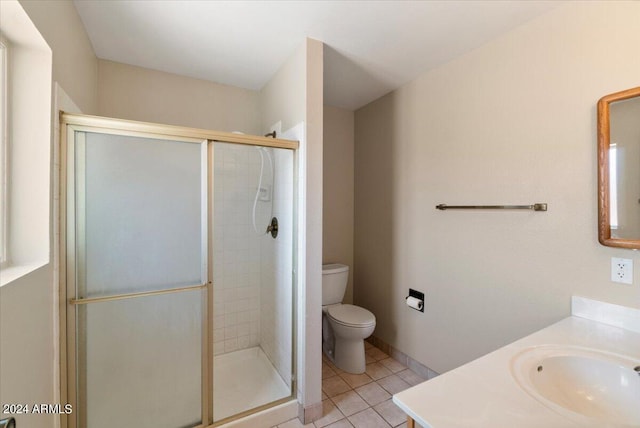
283, 98
337, 191
292, 97
136, 93
75, 66
511, 122
28, 311
26, 344
311, 238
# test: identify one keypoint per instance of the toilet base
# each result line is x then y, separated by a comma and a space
328, 351
349, 355
344, 344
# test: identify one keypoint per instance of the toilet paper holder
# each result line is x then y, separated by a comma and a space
417, 295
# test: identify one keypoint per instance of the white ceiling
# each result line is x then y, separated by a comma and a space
372, 47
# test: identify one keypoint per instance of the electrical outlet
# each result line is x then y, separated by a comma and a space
622, 270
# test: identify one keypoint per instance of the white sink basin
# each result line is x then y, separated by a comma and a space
588, 386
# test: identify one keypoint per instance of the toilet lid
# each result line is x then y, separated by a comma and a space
351, 315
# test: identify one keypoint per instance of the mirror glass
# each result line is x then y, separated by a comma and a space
619, 169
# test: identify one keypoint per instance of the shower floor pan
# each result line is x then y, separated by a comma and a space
244, 380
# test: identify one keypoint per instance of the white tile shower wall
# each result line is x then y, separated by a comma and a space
253, 290
236, 266
277, 264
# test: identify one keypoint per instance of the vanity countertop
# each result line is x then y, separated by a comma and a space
483, 393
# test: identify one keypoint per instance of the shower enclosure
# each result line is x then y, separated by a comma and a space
178, 304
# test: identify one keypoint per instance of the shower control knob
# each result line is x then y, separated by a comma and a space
273, 228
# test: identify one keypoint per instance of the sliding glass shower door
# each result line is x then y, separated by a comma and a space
178, 291
136, 278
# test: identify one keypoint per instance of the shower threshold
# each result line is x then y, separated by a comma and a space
244, 380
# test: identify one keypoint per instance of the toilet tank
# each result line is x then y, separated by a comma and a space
334, 283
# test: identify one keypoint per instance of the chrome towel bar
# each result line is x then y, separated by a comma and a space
534, 207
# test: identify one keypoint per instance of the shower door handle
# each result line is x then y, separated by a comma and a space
84, 301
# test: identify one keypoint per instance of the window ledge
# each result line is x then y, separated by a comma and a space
10, 273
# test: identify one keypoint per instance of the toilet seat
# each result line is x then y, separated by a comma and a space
351, 316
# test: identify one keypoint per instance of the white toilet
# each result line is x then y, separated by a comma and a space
344, 327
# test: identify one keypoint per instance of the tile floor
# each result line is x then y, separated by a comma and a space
364, 400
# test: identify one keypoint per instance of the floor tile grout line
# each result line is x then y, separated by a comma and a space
385, 419
337, 372
375, 411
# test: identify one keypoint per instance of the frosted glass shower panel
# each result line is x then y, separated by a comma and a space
139, 248
140, 362
143, 213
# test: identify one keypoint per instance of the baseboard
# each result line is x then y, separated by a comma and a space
309, 413
402, 358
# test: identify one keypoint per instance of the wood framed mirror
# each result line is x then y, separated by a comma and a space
619, 169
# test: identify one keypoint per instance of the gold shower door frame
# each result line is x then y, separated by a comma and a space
71, 267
